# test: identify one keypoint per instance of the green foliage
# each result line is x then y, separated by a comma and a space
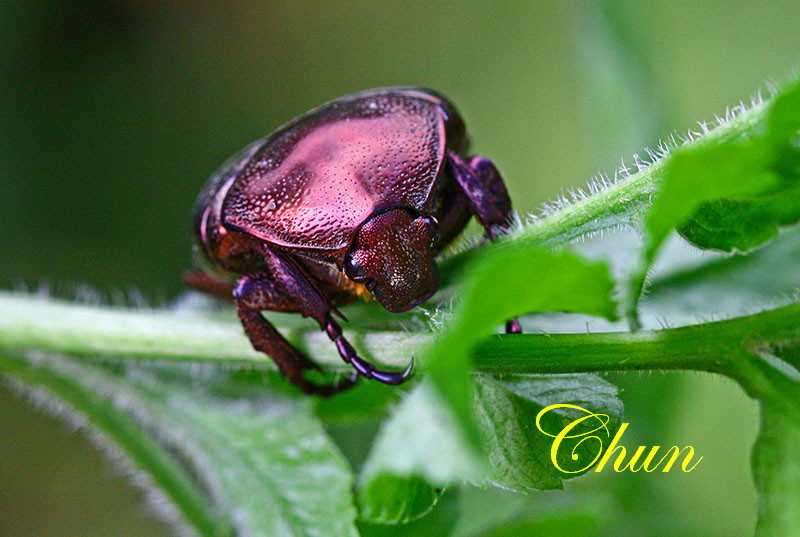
729, 193
419, 450
416, 450
234, 449
509, 405
232, 456
489, 512
506, 283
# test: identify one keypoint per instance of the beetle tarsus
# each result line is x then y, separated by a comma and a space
364, 368
368, 370
291, 363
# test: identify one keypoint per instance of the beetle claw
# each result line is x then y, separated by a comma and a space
387, 377
394, 377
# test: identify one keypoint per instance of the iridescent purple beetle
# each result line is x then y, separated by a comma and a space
355, 198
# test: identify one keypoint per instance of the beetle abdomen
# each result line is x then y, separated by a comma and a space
317, 179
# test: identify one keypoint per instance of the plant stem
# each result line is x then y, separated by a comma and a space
718, 347
29, 323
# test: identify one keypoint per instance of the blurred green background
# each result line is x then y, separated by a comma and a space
112, 115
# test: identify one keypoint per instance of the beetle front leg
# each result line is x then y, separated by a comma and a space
253, 294
291, 285
488, 198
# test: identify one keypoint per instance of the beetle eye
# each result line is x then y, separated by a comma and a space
353, 269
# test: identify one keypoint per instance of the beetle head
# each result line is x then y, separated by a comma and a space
392, 255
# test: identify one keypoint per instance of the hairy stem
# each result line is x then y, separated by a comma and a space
29, 323
614, 204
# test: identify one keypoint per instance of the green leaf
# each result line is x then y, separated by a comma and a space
434, 524
232, 455
495, 513
722, 286
396, 499
506, 283
695, 175
83, 405
417, 452
783, 123
741, 225
749, 182
519, 454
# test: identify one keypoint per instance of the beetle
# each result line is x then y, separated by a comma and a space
353, 199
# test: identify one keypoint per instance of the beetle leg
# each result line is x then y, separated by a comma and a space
454, 216
364, 368
488, 198
312, 303
255, 293
513, 327
262, 334
485, 192
199, 280
288, 285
